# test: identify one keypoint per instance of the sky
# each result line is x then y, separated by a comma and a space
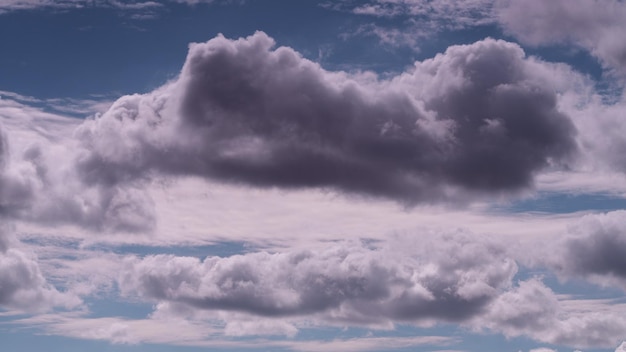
313, 175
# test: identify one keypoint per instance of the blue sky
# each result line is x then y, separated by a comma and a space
260, 175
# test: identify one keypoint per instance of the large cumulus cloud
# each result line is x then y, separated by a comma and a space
474, 119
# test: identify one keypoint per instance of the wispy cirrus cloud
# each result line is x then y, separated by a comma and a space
594, 26
135, 9
15, 5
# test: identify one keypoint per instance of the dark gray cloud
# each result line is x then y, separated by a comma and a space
348, 282
474, 119
595, 248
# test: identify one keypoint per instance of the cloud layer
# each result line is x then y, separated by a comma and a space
479, 119
348, 282
458, 277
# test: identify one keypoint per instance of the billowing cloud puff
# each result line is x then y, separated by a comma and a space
533, 310
595, 248
22, 285
474, 119
349, 282
39, 180
461, 278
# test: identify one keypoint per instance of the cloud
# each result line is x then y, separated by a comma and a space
594, 249
13, 5
39, 181
244, 112
15, 193
347, 282
415, 21
22, 285
455, 278
124, 5
370, 343
532, 309
603, 126
454, 14
596, 26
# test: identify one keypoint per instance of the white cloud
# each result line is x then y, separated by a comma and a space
532, 309
22, 285
449, 278
595, 25
593, 248
39, 182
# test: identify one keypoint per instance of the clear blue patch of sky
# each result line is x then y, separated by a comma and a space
94, 51
116, 307
219, 249
77, 53
563, 203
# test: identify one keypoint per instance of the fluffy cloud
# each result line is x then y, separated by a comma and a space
39, 181
596, 25
449, 278
15, 191
474, 119
533, 310
594, 249
459, 278
22, 285
604, 130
